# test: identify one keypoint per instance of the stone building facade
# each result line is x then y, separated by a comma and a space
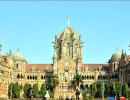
120, 67
67, 60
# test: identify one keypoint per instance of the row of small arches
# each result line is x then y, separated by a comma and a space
35, 77
102, 77
92, 77
87, 77
21, 76
32, 77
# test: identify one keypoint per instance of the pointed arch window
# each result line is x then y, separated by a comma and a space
18, 76
30, 77
17, 65
33, 77
27, 77
41, 77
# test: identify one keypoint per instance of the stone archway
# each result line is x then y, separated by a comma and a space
86, 87
82, 87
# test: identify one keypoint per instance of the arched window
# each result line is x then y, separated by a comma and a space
92, 77
27, 77
33, 78
41, 77
17, 65
30, 77
83, 77
86, 86
21, 76
99, 77
91, 86
82, 87
18, 76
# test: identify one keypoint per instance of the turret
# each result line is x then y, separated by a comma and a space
114, 61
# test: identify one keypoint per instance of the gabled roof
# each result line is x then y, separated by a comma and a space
38, 67
42, 67
93, 67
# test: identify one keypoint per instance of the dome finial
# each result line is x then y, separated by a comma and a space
68, 21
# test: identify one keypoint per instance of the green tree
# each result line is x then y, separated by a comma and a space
27, 90
51, 81
43, 89
125, 90
107, 91
14, 90
102, 89
117, 88
51, 94
35, 90
129, 95
85, 95
75, 84
93, 89
10, 90
98, 89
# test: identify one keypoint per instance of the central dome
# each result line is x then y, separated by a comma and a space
18, 55
67, 33
116, 56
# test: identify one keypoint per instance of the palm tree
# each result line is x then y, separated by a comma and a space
51, 81
75, 84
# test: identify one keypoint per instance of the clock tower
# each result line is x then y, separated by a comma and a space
67, 59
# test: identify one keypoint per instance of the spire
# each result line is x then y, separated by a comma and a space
10, 52
68, 21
